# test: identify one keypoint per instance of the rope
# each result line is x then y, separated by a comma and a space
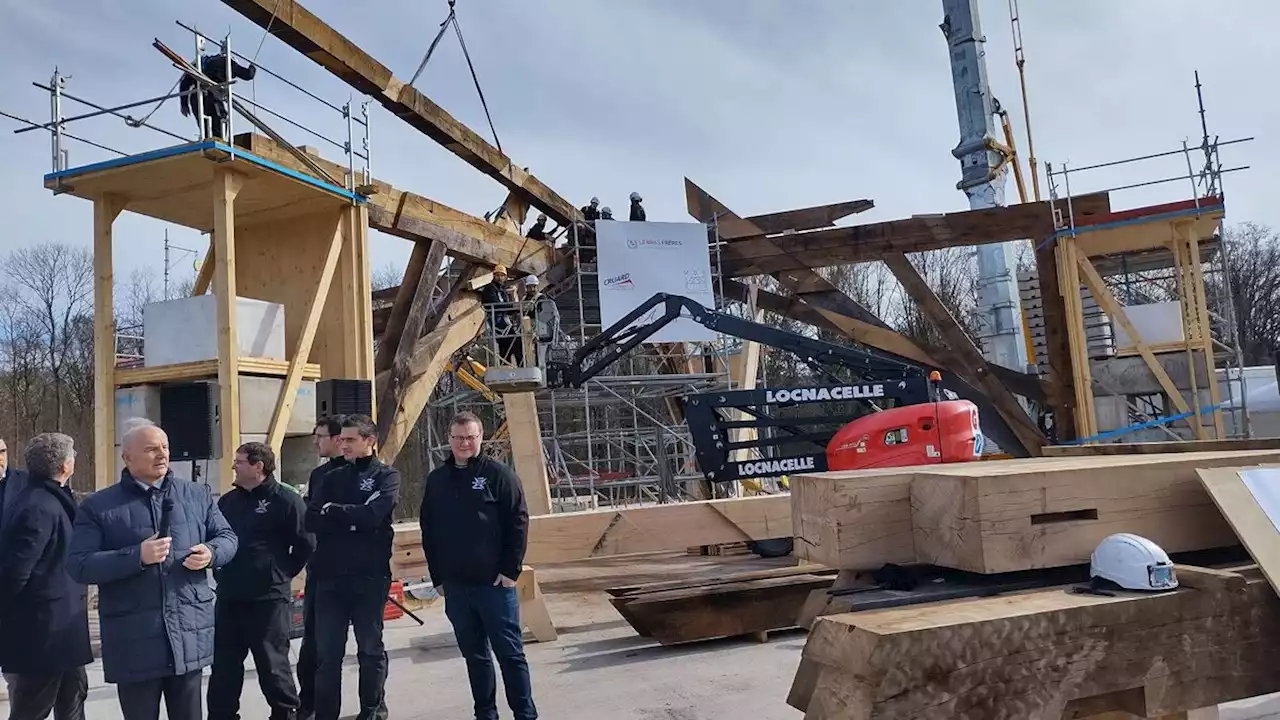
267, 31
452, 19
138, 123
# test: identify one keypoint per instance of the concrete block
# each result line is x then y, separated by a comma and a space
186, 330
258, 397
141, 401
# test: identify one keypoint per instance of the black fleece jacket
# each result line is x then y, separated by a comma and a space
350, 514
274, 546
474, 522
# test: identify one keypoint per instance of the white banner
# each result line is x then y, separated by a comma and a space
638, 259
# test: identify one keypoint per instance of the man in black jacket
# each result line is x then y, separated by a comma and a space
11, 481
350, 514
44, 621
475, 529
253, 612
325, 436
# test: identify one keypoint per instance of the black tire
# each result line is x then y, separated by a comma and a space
772, 548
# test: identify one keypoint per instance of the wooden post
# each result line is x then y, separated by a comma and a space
533, 607
105, 211
1077, 339
226, 186
526, 450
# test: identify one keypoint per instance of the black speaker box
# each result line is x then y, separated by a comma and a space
187, 416
341, 396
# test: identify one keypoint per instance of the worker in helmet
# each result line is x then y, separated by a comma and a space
637, 210
539, 230
606, 213
213, 67
545, 315
592, 211
504, 320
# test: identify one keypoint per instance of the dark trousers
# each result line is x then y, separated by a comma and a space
307, 653
485, 617
357, 602
33, 697
141, 700
260, 627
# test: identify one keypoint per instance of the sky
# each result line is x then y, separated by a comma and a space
768, 105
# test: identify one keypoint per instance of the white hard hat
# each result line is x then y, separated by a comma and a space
530, 280
1133, 562
635, 197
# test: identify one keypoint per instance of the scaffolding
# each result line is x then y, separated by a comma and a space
620, 439
1164, 266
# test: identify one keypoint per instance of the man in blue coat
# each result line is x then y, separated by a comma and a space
44, 621
11, 481
147, 543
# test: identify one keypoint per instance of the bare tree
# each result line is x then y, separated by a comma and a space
1253, 267
55, 283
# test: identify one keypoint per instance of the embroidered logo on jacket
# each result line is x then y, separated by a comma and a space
262, 507
478, 483
366, 485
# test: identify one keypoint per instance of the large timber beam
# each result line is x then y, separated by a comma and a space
300, 29
413, 217
865, 243
462, 320
959, 343
1049, 654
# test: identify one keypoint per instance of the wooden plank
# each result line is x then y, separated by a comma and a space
302, 348
563, 537
789, 571
1248, 518
206, 369
306, 33
1043, 655
959, 342
527, 458
1086, 419
987, 518
105, 211
856, 520
730, 609
1060, 398
204, 275
414, 217
1148, 448
225, 188
865, 243
404, 298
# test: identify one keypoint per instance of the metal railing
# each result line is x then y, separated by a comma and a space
355, 146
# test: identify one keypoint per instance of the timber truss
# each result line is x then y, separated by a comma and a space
787, 246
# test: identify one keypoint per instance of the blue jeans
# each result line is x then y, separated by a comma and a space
485, 617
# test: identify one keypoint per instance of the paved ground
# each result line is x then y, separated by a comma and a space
597, 669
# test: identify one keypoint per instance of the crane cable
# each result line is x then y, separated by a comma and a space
452, 20
1020, 59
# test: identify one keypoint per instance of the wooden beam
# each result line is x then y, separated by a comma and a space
226, 186
462, 321
420, 318
1171, 446
527, 457
204, 275
1251, 520
1058, 383
1113, 308
810, 218
865, 243
302, 348
414, 217
105, 211
959, 342
404, 295
306, 33
1046, 654
564, 537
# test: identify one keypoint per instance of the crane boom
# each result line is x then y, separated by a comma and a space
983, 170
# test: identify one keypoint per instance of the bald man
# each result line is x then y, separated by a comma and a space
148, 542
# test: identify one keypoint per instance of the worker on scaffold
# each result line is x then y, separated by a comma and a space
504, 319
213, 67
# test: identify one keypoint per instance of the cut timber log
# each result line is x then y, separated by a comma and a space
563, 537
733, 606
1043, 656
1006, 515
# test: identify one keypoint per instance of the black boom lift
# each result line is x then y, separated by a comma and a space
882, 381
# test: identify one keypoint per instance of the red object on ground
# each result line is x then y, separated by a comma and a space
390, 611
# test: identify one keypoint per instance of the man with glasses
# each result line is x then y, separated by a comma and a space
325, 437
475, 529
